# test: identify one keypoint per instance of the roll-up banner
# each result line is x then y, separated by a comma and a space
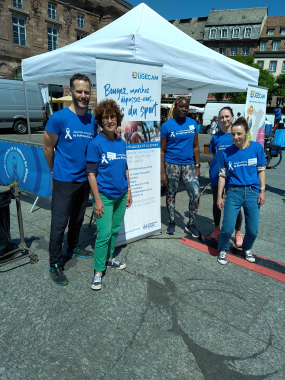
136, 87
255, 110
28, 165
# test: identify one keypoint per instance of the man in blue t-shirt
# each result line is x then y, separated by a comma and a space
67, 135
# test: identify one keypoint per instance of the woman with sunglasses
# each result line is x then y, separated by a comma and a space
108, 176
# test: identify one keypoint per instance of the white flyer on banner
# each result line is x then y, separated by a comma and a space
255, 110
136, 88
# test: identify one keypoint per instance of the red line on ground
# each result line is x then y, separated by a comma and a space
237, 260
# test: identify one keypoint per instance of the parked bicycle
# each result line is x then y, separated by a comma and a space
273, 153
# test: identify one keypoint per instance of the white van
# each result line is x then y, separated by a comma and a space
212, 109
13, 107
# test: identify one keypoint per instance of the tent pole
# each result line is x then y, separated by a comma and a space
27, 111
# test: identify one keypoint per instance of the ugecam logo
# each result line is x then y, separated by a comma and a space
257, 95
136, 75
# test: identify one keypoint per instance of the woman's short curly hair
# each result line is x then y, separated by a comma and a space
110, 107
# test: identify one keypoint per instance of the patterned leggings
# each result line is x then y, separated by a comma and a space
192, 186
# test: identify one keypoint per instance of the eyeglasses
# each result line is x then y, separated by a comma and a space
112, 117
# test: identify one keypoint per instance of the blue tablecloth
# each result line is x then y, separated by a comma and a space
268, 129
279, 138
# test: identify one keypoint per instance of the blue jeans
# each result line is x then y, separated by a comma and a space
236, 197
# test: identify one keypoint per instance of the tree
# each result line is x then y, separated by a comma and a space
266, 79
279, 88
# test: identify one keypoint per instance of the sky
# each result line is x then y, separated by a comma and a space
179, 9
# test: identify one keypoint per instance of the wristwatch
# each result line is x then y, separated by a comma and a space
197, 165
262, 188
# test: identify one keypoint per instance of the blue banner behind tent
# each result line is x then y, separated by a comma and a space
28, 165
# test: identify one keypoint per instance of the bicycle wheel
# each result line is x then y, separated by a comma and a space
274, 161
267, 157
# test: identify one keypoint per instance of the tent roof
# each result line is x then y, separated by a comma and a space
144, 35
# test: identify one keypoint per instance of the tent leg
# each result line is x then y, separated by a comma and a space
34, 204
27, 111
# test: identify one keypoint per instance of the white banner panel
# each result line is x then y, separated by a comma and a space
255, 110
137, 90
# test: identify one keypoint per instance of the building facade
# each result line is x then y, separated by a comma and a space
31, 27
270, 54
234, 32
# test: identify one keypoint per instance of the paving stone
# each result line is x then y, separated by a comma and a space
269, 325
93, 349
132, 305
33, 311
11, 368
212, 350
220, 297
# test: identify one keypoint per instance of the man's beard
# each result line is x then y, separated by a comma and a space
76, 102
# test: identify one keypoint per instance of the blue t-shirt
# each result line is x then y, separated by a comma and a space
74, 134
277, 113
180, 139
242, 164
112, 158
219, 142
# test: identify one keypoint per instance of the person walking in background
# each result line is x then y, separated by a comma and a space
219, 142
277, 119
214, 126
66, 137
243, 164
108, 176
198, 121
180, 158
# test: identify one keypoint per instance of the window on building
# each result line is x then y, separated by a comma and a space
52, 11
247, 32
224, 33
270, 32
260, 64
236, 32
19, 31
213, 33
282, 31
233, 50
18, 4
79, 37
212, 48
245, 50
263, 46
272, 66
80, 20
275, 45
222, 50
52, 38
17, 74
283, 66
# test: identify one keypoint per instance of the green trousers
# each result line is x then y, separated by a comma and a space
107, 229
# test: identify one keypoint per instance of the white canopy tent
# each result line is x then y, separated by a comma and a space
142, 34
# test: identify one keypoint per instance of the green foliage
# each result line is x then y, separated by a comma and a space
279, 88
266, 79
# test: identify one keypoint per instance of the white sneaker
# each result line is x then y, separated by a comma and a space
222, 259
97, 281
248, 256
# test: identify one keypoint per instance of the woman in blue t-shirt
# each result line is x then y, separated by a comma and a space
219, 142
108, 176
243, 164
180, 158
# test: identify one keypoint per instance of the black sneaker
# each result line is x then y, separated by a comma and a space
191, 228
57, 275
79, 252
171, 228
